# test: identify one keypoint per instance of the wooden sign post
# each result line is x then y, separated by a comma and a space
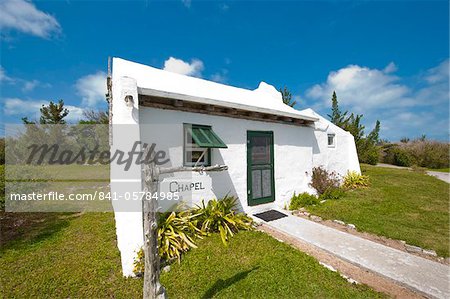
152, 287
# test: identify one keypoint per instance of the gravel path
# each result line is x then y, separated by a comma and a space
443, 176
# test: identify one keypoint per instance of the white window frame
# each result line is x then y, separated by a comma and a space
334, 140
192, 147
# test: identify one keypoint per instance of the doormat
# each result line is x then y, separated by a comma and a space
270, 215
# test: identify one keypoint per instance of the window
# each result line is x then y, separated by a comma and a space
198, 142
331, 140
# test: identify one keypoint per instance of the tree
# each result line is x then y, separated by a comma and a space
95, 117
353, 125
53, 113
374, 135
50, 115
287, 97
337, 117
366, 146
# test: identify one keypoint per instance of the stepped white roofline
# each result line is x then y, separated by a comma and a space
160, 83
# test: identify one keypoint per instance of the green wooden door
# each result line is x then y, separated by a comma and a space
260, 168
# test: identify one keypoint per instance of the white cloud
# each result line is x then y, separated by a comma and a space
3, 76
30, 108
404, 110
439, 73
218, 77
221, 76
362, 88
30, 85
390, 68
179, 66
24, 16
92, 88
16, 106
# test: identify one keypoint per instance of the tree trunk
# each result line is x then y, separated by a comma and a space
152, 287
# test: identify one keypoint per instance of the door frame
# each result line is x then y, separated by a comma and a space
250, 200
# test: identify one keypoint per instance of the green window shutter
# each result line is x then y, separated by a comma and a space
206, 138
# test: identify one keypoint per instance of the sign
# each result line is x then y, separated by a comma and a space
186, 187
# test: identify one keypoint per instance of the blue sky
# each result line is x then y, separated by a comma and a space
386, 59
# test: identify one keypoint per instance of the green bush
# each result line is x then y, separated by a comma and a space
176, 234
354, 180
302, 200
220, 216
368, 152
322, 180
177, 231
398, 155
420, 152
402, 158
332, 194
430, 154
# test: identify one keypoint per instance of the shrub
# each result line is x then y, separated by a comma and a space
399, 156
402, 158
176, 234
332, 193
354, 180
430, 154
138, 263
177, 231
302, 200
322, 180
368, 152
420, 152
220, 216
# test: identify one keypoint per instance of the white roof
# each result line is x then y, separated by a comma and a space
157, 82
324, 124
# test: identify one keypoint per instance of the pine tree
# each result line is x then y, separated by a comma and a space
53, 113
374, 136
366, 147
337, 117
287, 97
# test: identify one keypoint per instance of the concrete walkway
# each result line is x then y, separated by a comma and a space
428, 277
443, 176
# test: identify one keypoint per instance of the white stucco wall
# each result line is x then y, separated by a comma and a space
340, 158
293, 154
125, 131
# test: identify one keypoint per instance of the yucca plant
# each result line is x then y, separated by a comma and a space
177, 233
221, 216
354, 180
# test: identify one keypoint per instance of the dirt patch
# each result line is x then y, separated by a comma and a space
375, 281
397, 244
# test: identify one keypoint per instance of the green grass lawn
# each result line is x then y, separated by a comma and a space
75, 256
399, 204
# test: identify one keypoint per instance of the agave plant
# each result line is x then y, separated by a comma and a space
354, 180
220, 216
176, 234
